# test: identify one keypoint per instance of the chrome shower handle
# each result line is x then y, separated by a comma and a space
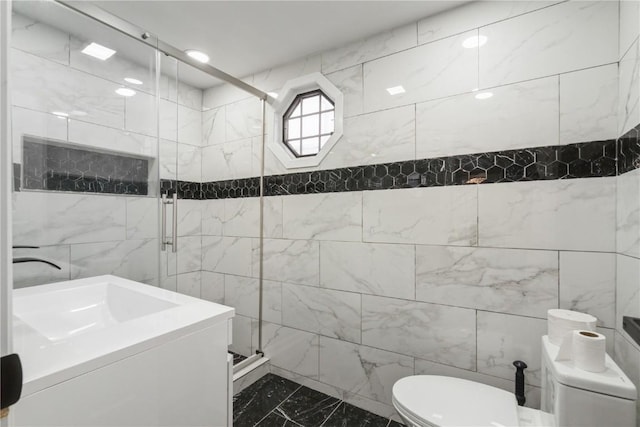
163, 238
174, 231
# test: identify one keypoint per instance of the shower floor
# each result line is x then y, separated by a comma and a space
237, 358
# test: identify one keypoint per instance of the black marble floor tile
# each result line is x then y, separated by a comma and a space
237, 358
256, 401
275, 420
308, 407
396, 424
350, 416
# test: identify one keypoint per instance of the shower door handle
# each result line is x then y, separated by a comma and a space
174, 223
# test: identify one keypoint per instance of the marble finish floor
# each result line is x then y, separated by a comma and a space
237, 358
275, 401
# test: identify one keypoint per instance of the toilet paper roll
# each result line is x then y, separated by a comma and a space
587, 349
561, 322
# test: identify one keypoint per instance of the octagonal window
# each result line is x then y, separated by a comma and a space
308, 123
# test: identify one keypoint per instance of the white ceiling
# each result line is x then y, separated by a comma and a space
244, 37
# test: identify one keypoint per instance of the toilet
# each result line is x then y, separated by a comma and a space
570, 397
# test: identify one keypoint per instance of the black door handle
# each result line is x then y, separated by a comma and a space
10, 380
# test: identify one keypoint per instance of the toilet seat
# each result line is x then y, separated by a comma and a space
432, 400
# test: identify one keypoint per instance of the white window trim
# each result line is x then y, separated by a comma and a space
288, 94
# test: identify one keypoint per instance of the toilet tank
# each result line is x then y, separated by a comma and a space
580, 398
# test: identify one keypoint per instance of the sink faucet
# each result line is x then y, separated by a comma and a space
28, 259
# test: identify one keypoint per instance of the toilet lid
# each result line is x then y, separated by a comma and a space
447, 401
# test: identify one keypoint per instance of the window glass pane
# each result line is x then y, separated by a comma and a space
310, 146
296, 111
323, 140
293, 129
326, 105
310, 125
295, 145
311, 105
327, 122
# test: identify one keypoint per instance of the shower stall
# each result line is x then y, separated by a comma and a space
117, 167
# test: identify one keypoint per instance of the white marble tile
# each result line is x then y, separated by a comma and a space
188, 257
212, 287
118, 67
629, 89
168, 161
34, 123
364, 50
168, 118
39, 39
273, 79
242, 217
242, 293
588, 284
588, 105
189, 163
132, 259
362, 370
189, 96
242, 330
106, 138
226, 161
629, 25
399, 216
434, 332
46, 86
140, 114
381, 137
290, 349
627, 356
230, 255
328, 216
214, 124
223, 94
503, 338
503, 280
350, 83
627, 288
189, 284
473, 15
48, 218
430, 71
189, 217
189, 126
374, 406
566, 37
244, 119
292, 261
142, 217
516, 116
628, 213
322, 311
212, 217
35, 273
609, 335
577, 214
370, 268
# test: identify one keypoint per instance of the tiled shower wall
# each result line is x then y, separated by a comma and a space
627, 351
365, 287
90, 234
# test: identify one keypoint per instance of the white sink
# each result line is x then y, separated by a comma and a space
61, 313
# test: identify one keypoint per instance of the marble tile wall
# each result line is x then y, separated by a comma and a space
627, 257
453, 280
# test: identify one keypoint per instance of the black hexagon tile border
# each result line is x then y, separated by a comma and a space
582, 160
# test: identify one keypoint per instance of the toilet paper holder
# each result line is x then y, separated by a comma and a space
632, 326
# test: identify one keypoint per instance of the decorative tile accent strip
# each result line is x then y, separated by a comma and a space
629, 151
185, 189
54, 166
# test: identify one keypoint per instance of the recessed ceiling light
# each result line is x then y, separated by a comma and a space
395, 90
198, 56
98, 51
60, 114
475, 41
484, 95
125, 91
132, 81
273, 95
